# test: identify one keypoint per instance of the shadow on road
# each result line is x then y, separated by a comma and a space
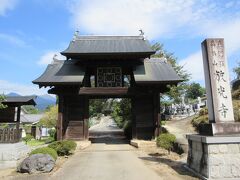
108, 137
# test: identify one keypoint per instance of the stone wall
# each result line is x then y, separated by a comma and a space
215, 160
10, 153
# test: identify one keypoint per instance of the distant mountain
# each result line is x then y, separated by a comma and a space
13, 94
43, 101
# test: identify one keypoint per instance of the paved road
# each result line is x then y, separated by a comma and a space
105, 162
110, 157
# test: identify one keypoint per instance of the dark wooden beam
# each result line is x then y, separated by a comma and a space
104, 91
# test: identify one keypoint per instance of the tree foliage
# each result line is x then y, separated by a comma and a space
237, 70
122, 115
175, 92
50, 118
194, 90
2, 98
27, 138
97, 106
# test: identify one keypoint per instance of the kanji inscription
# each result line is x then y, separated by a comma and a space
217, 81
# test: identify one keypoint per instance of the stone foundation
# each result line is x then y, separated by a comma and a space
214, 157
11, 153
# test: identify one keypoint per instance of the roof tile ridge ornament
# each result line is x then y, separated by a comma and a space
142, 34
55, 60
75, 36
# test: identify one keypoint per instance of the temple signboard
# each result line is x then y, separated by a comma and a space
219, 97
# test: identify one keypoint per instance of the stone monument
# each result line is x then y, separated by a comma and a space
215, 152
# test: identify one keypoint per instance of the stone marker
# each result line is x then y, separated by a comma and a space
219, 98
215, 152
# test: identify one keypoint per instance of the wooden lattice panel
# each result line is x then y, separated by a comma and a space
109, 77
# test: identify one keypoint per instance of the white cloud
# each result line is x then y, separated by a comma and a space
47, 58
228, 30
155, 17
160, 18
22, 89
6, 5
194, 65
13, 40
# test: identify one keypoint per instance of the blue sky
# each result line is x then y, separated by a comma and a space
32, 31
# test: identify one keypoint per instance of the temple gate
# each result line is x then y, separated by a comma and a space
108, 67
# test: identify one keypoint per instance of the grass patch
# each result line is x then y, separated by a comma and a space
35, 142
45, 150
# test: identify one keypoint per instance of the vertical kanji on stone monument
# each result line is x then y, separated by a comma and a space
217, 81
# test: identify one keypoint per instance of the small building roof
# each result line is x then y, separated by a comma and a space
61, 72
19, 100
108, 45
155, 70
30, 118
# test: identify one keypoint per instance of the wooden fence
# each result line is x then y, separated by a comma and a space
10, 135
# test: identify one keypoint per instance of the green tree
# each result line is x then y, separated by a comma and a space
194, 90
2, 98
237, 70
49, 119
97, 106
175, 92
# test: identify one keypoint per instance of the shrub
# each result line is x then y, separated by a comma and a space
236, 94
63, 147
236, 108
166, 141
203, 111
52, 132
45, 150
199, 120
27, 138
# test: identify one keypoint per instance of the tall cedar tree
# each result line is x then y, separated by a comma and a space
175, 92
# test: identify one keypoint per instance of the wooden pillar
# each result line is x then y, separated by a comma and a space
18, 122
86, 117
156, 112
134, 125
60, 119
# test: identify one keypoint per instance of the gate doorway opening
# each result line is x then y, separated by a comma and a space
110, 120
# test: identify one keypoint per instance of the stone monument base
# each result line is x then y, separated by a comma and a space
10, 153
214, 157
224, 128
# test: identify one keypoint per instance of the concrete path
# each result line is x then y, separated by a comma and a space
105, 162
110, 157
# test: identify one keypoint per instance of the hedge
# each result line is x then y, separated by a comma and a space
166, 141
64, 147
